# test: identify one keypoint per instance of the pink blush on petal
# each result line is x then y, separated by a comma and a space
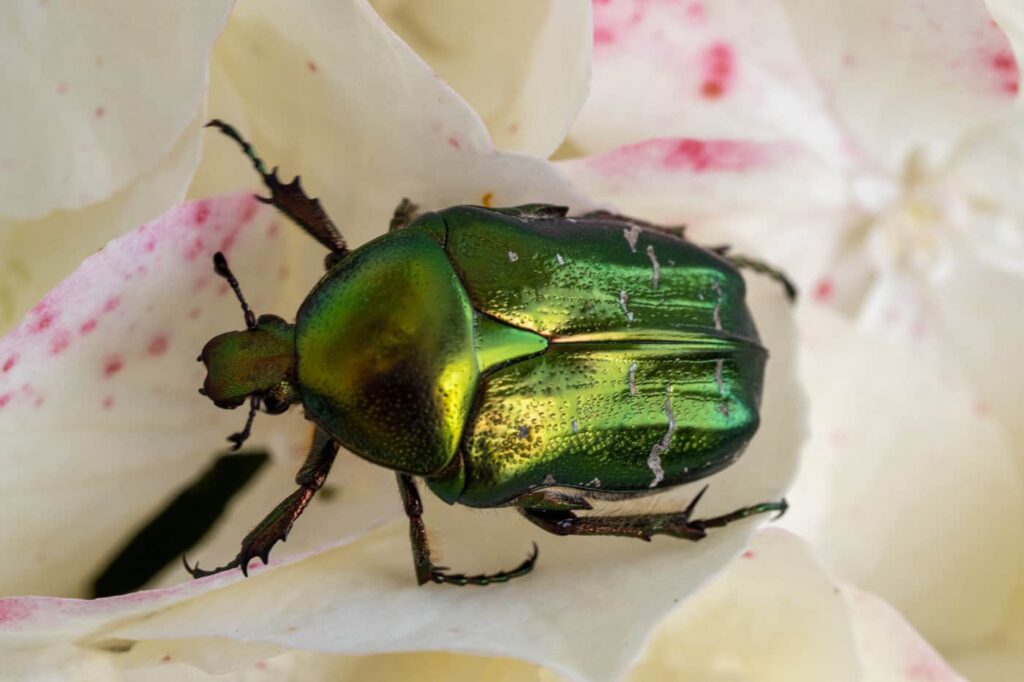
719, 68
158, 346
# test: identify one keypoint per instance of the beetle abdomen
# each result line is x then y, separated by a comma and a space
615, 417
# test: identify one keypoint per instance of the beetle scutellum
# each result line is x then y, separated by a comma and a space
523, 358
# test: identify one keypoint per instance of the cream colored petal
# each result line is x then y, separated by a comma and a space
774, 615
905, 76
334, 95
99, 414
523, 66
30, 265
907, 488
890, 649
100, 93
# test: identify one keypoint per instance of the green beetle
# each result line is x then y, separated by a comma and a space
523, 358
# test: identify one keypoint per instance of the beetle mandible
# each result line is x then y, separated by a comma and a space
524, 358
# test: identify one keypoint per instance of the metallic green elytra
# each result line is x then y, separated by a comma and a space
509, 357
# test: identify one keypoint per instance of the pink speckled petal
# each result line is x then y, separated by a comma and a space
906, 77
717, 69
1009, 14
375, 123
772, 199
522, 66
909, 486
30, 265
103, 93
99, 414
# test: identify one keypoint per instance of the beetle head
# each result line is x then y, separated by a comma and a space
257, 364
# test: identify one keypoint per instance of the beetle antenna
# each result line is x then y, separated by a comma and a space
241, 436
220, 266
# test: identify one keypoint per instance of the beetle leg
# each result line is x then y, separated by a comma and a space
290, 199
279, 522
642, 526
759, 267
426, 571
404, 214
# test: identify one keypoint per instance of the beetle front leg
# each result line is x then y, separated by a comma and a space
404, 214
426, 571
643, 526
279, 522
291, 199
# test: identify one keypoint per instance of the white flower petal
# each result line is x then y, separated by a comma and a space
30, 265
523, 66
103, 94
99, 414
720, 69
907, 488
890, 649
904, 76
374, 125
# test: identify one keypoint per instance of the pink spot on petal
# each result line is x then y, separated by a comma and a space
223, 289
158, 346
100, 112
824, 290
1007, 70
8, 363
42, 321
273, 230
150, 245
684, 155
111, 304
311, 65
112, 365
62, 88
200, 212
38, 402
5, 398
108, 402
982, 409
193, 313
748, 554
14, 609
60, 342
603, 35
249, 209
454, 143
282, 272
696, 11
719, 69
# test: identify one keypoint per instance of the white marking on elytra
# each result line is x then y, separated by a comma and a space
558, 257
719, 364
654, 459
524, 431
513, 256
631, 235
596, 483
716, 314
632, 379
549, 479
723, 408
656, 275
575, 426
624, 302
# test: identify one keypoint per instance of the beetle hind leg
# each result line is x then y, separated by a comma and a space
278, 523
760, 267
643, 526
426, 571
